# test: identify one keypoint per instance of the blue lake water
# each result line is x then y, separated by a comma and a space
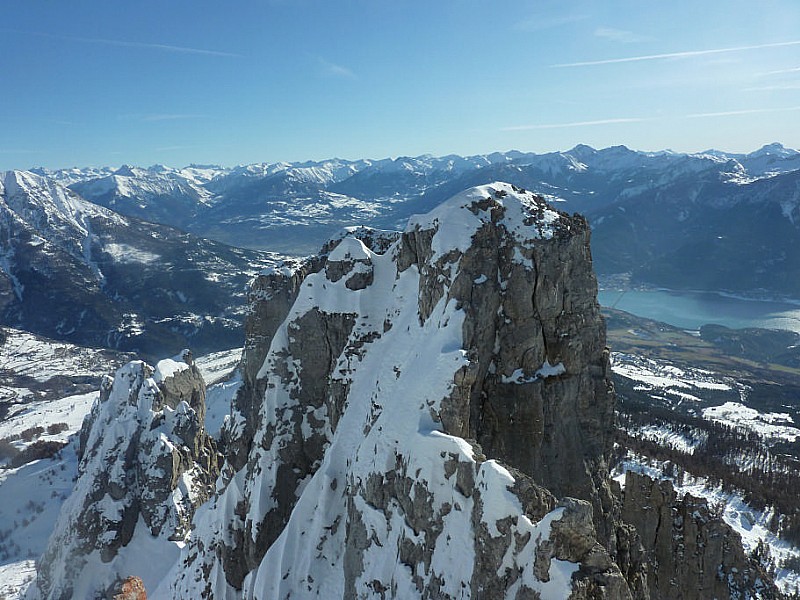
690, 310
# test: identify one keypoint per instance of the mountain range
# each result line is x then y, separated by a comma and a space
101, 257
76, 271
710, 220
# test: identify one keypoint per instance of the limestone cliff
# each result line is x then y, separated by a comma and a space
415, 404
425, 413
692, 554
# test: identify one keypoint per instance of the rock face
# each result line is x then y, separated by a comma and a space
425, 414
271, 296
691, 554
145, 464
380, 376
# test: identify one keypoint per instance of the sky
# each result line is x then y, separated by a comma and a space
94, 83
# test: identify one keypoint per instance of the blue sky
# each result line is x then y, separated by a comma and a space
105, 83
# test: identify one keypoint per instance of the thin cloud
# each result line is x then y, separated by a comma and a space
687, 54
782, 71
774, 88
574, 124
334, 70
542, 23
620, 35
727, 113
749, 111
157, 117
130, 44
174, 148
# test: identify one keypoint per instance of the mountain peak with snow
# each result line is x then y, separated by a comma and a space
372, 460
774, 149
146, 463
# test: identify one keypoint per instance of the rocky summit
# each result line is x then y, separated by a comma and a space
425, 413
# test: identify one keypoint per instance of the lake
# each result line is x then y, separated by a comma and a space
690, 310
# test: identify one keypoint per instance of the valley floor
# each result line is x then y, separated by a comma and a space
719, 426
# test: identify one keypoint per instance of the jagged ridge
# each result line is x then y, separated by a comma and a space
145, 464
426, 414
365, 472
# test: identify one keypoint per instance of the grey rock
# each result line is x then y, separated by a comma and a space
536, 308
533, 403
692, 553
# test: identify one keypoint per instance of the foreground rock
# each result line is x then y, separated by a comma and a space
423, 414
131, 589
692, 554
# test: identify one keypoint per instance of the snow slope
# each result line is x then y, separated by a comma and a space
36, 368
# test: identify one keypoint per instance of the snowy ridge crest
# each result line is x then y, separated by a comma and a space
145, 463
376, 465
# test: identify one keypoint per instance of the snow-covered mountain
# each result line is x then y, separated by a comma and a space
55, 385
650, 209
425, 413
75, 271
145, 462
770, 159
156, 194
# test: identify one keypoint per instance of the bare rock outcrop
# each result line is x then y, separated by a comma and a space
692, 554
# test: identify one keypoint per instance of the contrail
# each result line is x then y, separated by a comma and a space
687, 54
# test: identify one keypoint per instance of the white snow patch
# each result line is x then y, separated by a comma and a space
218, 365
70, 410
26, 354
16, 577
655, 374
548, 370
770, 426
125, 253
350, 248
169, 367
665, 436
457, 224
545, 371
